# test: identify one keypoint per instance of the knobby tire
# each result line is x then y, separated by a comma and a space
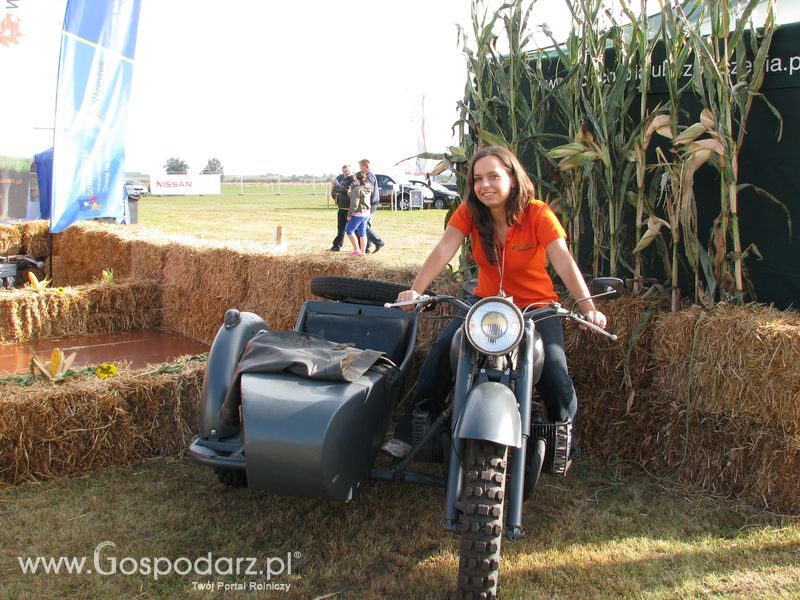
481, 506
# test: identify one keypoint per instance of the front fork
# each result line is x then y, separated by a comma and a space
523, 392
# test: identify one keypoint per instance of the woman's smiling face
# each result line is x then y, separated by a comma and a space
491, 182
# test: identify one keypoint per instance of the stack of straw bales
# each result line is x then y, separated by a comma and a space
203, 279
707, 397
716, 403
184, 285
26, 314
87, 423
28, 237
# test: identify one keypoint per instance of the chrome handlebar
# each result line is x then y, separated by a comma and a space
558, 311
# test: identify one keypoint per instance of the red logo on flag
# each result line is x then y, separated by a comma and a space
9, 31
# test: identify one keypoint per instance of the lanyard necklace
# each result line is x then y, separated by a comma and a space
501, 266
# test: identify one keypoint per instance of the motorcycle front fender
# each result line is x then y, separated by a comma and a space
490, 413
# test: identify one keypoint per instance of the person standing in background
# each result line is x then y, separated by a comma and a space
341, 194
372, 236
358, 215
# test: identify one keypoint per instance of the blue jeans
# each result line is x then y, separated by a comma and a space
372, 235
436, 378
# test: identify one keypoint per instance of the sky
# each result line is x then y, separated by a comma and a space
302, 86
294, 87
289, 87
268, 86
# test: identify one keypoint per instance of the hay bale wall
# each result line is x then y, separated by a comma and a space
745, 363
716, 400
93, 308
26, 237
202, 279
85, 424
734, 430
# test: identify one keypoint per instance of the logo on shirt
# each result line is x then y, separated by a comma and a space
522, 247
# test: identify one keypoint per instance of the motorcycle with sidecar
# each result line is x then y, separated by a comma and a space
304, 412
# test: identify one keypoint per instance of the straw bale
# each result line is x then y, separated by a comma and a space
124, 306
148, 256
200, 284
27, 315
86, 248
72, 263
744, 362
10, 239
35, 236
597, 361
732, 456
86, 423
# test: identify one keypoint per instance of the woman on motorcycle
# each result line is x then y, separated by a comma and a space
512, 235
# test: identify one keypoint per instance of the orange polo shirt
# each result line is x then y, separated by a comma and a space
522, 261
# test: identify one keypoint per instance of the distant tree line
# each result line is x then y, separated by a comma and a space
177, 166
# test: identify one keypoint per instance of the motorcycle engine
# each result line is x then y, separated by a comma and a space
558, 437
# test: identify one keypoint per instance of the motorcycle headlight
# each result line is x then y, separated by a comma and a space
494, 326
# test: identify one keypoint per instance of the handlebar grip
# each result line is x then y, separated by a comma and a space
593, 327
420, 300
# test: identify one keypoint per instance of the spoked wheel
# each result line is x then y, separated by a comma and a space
482, 519
533, 465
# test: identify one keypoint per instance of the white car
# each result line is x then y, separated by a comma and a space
401, 189
134, 187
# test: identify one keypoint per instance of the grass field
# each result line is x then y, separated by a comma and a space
601, 532
308, 221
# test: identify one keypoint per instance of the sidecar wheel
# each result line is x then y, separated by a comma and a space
232, 478
355, 289
481, 506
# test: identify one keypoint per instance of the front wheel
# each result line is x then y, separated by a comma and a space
403, 203
438, 203
481, 519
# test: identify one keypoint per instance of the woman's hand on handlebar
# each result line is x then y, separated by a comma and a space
596, 318
407, 296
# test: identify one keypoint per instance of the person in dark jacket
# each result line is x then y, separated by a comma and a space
341, 193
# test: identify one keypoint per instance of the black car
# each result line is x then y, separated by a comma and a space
442, 197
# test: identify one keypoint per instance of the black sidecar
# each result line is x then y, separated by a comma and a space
303, 413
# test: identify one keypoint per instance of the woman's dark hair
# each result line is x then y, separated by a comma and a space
522, 191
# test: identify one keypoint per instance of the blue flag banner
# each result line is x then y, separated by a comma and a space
94, 80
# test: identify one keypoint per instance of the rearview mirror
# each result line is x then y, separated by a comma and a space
606, 287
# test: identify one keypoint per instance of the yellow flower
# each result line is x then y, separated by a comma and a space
106, 370
60, 290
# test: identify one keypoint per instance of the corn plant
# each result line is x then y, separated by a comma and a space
727, 81
644, 44
603, 161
